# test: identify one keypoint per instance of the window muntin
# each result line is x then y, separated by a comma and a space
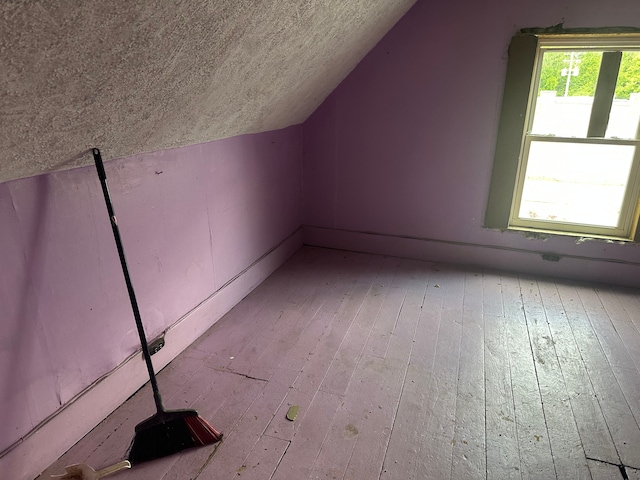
579, 166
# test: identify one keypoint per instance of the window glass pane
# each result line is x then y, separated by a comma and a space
565, 93
625, 111
575, 183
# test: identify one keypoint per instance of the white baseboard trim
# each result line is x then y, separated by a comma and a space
45, 444
575, 267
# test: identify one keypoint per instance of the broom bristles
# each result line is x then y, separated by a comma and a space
170, 432
202, 431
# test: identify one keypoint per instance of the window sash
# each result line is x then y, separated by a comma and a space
592, 140
629, 202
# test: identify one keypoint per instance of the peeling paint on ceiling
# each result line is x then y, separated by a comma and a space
132, 77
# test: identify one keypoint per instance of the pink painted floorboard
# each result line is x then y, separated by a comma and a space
401, 369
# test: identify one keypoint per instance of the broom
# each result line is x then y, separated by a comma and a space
168, 431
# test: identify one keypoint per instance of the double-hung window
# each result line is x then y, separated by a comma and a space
567, 158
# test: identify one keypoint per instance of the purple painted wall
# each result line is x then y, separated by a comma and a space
191, 219
404, 146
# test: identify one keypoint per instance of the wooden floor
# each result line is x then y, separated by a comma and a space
402, 370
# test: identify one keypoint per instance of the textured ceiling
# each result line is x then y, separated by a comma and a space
136, 76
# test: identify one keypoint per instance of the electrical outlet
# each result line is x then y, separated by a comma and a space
156, 345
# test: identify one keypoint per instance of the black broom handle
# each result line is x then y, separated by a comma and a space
132, 296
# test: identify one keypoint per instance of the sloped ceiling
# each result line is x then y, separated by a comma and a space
136, 76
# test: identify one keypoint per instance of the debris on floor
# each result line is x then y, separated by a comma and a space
292, 413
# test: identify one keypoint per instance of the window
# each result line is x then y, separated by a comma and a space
567, 159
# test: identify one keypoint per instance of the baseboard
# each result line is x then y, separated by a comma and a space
575, 267
58, 433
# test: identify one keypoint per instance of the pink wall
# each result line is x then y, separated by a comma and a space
191, 219
404, 146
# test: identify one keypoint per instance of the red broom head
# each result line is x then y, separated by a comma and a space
170, 432
201, 431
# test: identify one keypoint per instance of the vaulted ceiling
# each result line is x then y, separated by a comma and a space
138, 76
